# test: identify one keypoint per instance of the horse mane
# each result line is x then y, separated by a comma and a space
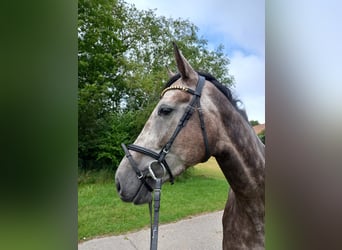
224, 90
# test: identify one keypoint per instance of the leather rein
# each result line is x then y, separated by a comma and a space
159, 158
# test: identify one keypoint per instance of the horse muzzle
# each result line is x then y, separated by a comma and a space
137, 188
137, 194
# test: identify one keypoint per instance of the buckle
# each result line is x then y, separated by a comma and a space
153, 173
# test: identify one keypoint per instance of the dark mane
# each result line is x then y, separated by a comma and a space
225, 90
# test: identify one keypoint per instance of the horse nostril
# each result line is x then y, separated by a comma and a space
118, 187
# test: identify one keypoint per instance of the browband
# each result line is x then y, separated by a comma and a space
177, 87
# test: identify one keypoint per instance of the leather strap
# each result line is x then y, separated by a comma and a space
140, 175
155, 221
198, 92
159, 157
188, 113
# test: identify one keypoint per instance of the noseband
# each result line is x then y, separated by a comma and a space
159, 158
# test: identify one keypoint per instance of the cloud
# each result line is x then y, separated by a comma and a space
237, 23
249, 74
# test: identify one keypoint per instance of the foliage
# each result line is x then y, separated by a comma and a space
254, 122
122, 55
262, 137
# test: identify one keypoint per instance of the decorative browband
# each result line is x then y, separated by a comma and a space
177, 87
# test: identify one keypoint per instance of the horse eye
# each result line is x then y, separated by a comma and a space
164, 110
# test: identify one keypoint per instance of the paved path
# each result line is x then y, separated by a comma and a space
199, 232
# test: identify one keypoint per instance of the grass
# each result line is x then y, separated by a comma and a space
101, 212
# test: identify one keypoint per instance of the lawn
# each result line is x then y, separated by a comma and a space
101, 212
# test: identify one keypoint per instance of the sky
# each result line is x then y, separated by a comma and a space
240, 27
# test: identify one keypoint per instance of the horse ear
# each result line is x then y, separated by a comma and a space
169, 72
184, 67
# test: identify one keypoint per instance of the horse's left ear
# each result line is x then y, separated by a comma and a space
169, 72
186, 71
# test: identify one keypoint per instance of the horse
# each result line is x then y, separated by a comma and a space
196, 118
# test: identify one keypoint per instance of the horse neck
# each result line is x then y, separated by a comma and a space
240, 155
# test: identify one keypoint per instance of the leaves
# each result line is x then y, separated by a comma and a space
122, 57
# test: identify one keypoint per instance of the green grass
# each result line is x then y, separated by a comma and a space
101, 212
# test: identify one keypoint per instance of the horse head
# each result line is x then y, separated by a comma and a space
178, 134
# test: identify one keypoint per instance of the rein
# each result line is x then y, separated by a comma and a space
160, 158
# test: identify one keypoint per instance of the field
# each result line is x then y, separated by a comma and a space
201, 189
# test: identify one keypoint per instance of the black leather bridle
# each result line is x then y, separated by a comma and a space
159, 158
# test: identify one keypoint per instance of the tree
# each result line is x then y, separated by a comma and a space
122, 56
254, 122
100, 52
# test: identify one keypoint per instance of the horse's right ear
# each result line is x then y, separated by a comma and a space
184, 67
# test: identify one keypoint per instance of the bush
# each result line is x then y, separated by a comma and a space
95, 176
262, 137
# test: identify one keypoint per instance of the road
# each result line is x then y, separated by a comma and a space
195, 233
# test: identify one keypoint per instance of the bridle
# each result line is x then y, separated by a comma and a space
159, 158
